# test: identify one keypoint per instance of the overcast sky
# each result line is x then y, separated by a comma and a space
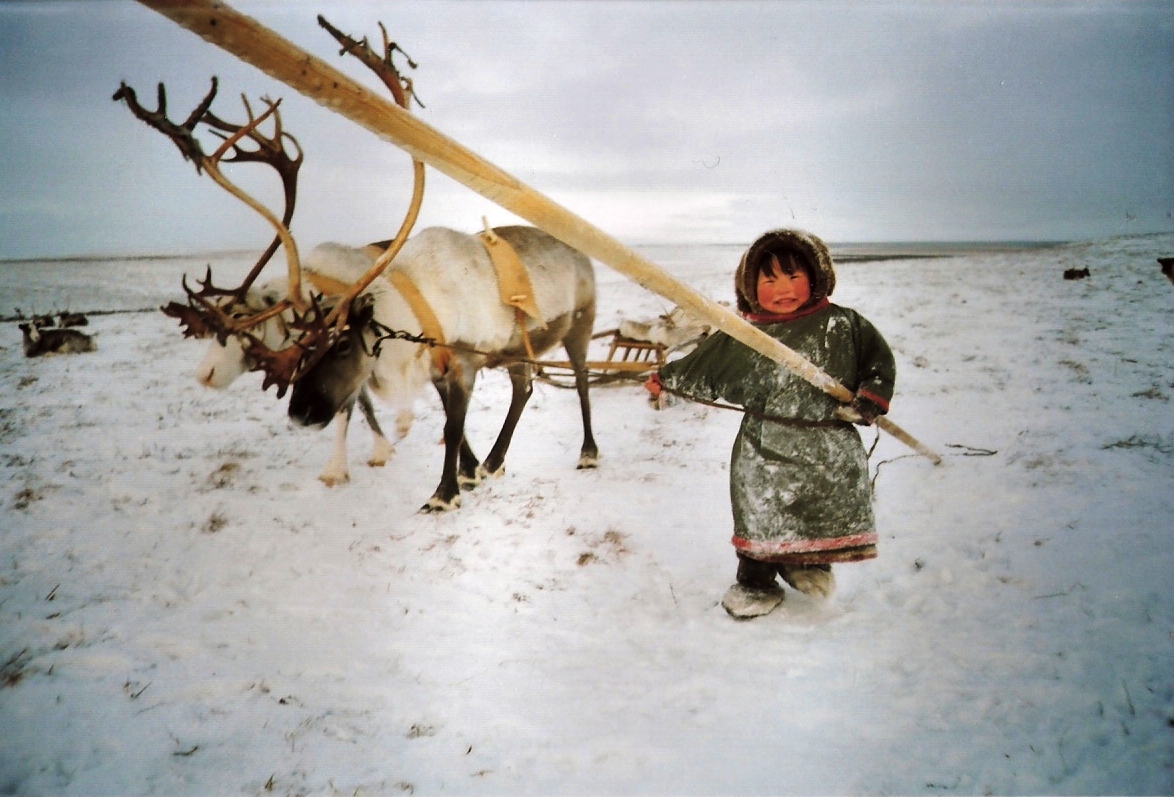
691, 121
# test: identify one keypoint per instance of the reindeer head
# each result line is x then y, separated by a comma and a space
338, 371
219, 312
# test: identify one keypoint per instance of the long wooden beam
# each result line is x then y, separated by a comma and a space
242, 36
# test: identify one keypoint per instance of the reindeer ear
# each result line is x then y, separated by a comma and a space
363, 308
363, 300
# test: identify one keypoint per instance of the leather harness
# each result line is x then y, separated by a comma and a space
429, 324
514, 287
513, 282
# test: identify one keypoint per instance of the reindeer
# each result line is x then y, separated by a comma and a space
42, 320
40, 341
343, 346
454, 275
254, 329
70, 319
224, 362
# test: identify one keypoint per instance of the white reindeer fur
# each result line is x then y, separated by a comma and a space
457, 279
223, 364
446, 265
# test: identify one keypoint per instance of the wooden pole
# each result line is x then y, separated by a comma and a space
242, 36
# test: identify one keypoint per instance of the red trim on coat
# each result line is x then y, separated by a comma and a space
776, 548
879, 401
778, 318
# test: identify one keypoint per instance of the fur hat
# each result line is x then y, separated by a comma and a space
809, 250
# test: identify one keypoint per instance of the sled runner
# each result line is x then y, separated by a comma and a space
638, 347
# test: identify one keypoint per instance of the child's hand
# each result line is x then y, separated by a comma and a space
861, 411
658, 397
653, 385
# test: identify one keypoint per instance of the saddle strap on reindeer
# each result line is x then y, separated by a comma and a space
513, 282
429, 325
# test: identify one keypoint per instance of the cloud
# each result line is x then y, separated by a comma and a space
859, 120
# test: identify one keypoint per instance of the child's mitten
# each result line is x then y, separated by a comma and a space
658, 397
867, 409
653, 384
862, 411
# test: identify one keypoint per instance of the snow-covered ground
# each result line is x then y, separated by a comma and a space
185, 609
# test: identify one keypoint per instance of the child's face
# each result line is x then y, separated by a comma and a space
779, 292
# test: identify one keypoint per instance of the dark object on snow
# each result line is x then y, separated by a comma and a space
39, 342
72, 320
1075, 273
1167, 264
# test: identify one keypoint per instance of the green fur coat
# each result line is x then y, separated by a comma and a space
799, 482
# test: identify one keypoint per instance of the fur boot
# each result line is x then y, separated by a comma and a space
817, 580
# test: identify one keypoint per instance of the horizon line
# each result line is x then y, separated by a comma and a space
887, 245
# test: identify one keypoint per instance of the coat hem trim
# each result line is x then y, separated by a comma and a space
777, 548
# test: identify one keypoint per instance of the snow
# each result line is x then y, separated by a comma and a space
185, 609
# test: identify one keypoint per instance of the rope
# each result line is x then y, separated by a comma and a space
832, 424
386, 333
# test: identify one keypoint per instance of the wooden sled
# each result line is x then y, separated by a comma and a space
626, 357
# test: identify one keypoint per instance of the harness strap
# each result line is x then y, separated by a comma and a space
513, 282
327, 286
441, 354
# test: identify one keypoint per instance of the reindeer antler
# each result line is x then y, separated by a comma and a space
320, 329
270, 150
212, 166
182, 135
403, 91
202, 315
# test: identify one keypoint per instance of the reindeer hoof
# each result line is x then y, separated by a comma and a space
437, 505
382, 452
470, 482
484, 473
588, 461
334, 479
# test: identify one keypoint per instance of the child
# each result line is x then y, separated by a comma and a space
799, 480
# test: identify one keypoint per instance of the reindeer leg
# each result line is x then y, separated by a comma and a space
467, 475
576, 342
521, 379
336, 471
403, 423
455, 394
382, 449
